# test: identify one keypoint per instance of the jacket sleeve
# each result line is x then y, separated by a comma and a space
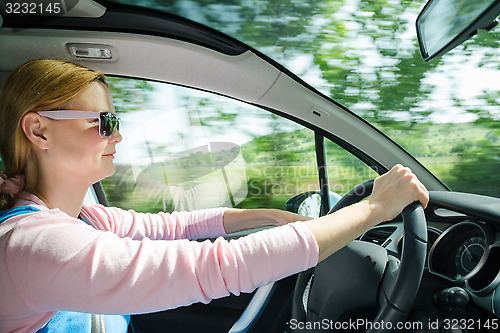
161, 226
58, 263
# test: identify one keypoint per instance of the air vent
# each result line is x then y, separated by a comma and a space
378, 236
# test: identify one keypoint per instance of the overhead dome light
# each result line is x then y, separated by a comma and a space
90, 51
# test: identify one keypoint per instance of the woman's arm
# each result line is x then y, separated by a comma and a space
244, 219
392, 192
159, 226
87, 270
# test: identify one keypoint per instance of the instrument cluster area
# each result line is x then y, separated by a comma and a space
465, 254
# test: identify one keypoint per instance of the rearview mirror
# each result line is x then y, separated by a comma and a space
445, 24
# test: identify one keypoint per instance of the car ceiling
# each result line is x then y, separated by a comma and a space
246, 76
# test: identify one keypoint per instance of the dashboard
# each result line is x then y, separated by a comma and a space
463, 253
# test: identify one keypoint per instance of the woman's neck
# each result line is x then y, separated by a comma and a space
68, 199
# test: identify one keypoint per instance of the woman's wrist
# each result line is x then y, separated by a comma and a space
376, 211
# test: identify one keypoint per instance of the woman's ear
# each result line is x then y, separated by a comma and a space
34, 127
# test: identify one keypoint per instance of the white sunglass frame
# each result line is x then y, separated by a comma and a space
78, 114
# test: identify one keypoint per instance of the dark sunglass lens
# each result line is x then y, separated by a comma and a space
109, 124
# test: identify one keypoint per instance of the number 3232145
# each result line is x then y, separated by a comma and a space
33, 8
471, 324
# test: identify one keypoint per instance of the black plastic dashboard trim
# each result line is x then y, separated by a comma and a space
477, 206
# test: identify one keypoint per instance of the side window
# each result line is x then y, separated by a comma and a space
344, 169
184, 149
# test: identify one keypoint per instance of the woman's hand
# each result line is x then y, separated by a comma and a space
395, 190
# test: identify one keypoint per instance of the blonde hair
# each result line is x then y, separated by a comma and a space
36, 85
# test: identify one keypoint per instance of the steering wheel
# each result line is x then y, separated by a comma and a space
363, 275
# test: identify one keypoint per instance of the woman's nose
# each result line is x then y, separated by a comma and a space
115, 138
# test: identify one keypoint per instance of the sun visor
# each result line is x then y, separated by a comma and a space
83, 8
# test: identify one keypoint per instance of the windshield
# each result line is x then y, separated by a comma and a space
364, 55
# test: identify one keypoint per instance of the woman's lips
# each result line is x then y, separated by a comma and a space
112, 155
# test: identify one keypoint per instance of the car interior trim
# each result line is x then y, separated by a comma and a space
322, 173
473, 205
100, 195
487, 278
86, 8
457, 244
139, 21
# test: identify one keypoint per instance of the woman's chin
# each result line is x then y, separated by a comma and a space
108, 171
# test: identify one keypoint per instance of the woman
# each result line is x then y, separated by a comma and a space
58, 133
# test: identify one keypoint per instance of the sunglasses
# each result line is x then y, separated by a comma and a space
108, 122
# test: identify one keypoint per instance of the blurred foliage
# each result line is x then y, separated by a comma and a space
365, 56
478, 164
477, 169
129, 95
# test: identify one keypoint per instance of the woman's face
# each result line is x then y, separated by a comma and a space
76, 149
